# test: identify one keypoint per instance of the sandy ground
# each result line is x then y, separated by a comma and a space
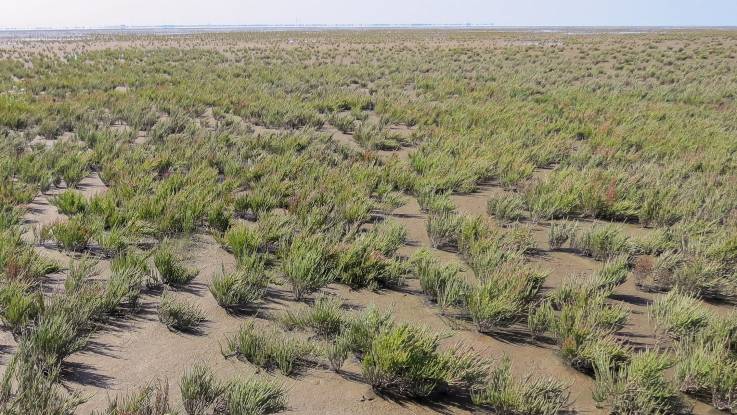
137, 349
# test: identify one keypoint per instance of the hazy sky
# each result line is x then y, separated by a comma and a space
75, 13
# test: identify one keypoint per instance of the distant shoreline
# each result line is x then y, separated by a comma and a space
195, 29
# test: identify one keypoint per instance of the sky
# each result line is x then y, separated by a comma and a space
99, 13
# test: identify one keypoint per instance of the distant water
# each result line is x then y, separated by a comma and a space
51, 34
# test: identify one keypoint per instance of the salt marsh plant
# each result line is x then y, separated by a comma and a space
405, 360
242, 287
169, 267
506, 395
268, 349
307, 265
180, 314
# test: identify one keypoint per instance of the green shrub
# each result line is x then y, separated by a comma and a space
506, 395
504, 298
240, 288
678, 314
440, 282
561, 232
405, 360
431, 201
70, 202
267, 349
638, 387
602, 242
253, 397
179, 314
199, 389
307, 265
506, 207
20, 306
242, 240
326, 317
169, 267
370, 261
152, 399
73, 234
442, 228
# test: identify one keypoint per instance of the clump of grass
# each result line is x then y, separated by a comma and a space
440, 282
560, 233
326, 317
267, 349
307, 265
169, 268
199, 389
503, 298
152, 399
180, 314
637, 387
602, 242
242, 240
253, 396
29, 387
506, 395
20, 306
238, 289
442, 228
405, 360
678, 314
72, 234
506, 207
371, 260
70, 202
432, 201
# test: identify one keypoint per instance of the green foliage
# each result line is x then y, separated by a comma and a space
73, 234
151, 399
506, 395
506, 207
199, 389
639, 386
440, 282
169, 268
503, 298
326, 317
307, 265
254, 397
268, 349
405, 360
180, 314
242, 287
70, 202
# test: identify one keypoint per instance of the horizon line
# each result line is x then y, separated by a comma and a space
355, 25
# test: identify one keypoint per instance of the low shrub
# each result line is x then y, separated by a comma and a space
267, 349
405, 360
152, 399
506, 207
70, 202
602, 242
199, 389
325, 317
239, 289
440, 282
678, 314
308, 265
179, 314
253, 397
73, 234
506, 395
503, 298
560, 233
637, 387
169, 268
